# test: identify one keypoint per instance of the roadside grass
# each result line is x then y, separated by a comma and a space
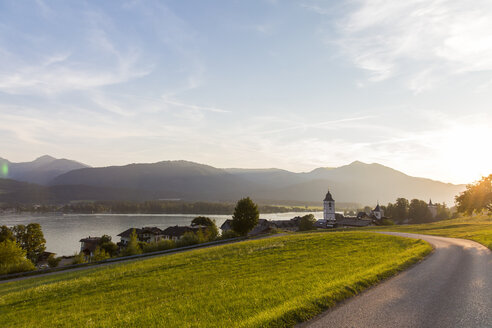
477, 228
271, 282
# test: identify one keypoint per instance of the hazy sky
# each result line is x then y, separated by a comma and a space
288, 84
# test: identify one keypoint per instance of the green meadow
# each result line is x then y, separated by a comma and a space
477, 228
271, 282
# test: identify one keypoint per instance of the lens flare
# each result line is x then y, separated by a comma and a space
5, 169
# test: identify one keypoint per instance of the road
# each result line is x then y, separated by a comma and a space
450, 288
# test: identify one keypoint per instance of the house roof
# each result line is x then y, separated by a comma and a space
377, 209
328, 197
138, 231
349, 222
227, 224
152, 230
178, 231
286, 223
90, 240
128, 232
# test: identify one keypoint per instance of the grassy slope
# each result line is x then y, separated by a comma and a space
272, 282
478, 228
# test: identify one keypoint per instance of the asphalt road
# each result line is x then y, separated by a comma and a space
450, 288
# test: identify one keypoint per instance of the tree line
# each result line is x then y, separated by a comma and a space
147, 207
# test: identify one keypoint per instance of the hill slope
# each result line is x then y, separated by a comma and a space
41, 171
357, 182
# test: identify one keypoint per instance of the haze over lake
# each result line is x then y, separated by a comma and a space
63, 231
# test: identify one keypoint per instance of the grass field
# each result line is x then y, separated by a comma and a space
478, 228
272, 282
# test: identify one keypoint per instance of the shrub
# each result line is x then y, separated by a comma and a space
79, 258
53, 261
13, 258
228, 234
133, 247
159, 246
211, 232
188, 239
307, 222
100, 254
386, 222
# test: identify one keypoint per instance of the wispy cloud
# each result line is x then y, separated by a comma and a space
174, 102
425, 41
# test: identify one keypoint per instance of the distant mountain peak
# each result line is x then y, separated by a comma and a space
45, 159
357, 163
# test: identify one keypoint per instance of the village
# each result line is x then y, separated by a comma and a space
175, 234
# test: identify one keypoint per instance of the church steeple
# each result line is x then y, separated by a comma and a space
329, 209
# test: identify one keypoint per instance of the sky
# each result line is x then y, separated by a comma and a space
254, 83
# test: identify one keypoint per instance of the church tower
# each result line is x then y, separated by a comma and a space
329, 208
432, 208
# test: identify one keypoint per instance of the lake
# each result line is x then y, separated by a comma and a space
63, 231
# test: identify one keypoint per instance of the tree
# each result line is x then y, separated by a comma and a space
443, 212
13, 258
245, 217
212, 231
6, 233
100, 254
400, 209
133, 248
53, 261
476, 198
108, 246
31, 239
418, 211
307, 222
79, 258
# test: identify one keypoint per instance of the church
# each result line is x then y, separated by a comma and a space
332, 220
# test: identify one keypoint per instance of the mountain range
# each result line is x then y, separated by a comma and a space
51, 180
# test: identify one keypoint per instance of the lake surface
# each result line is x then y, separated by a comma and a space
64, 231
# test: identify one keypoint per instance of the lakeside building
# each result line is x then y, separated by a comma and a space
177, 232
145, 234
88, 245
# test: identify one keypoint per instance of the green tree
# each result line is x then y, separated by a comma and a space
53, 261
307, 222
245, 217
443, 212
13, 258
418, 212
6, 233
133, 247
108, 246
212, 231
400, 209
100, 254
31, 239
79, 258
476, 198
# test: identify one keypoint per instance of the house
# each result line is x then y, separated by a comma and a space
88, 245
354, 222
263, 226
146, 234
226, 226
177, 232
292, 224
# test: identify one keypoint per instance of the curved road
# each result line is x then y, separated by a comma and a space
451, 288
